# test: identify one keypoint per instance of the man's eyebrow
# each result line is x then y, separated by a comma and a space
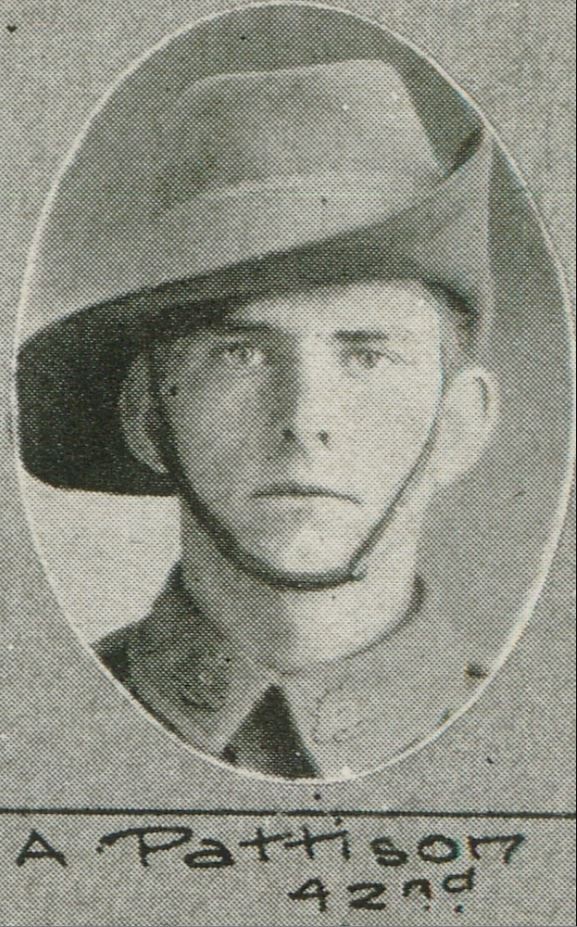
358, 336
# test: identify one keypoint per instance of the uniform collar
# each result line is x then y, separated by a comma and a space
352, 714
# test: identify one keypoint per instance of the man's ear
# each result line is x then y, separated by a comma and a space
467, 421
137, 416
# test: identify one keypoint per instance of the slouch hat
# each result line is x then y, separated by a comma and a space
261, 181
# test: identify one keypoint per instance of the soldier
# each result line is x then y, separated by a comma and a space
288, 341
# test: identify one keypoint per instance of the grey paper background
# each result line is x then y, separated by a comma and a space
68, 737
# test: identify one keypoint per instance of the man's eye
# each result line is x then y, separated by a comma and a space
369, 358
242, 355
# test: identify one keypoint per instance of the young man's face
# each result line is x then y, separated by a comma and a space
299, 419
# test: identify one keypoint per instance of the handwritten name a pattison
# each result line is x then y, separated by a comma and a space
430, 866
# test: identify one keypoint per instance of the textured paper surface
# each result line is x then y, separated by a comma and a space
69, 738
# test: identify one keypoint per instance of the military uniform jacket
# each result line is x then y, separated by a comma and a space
333, 721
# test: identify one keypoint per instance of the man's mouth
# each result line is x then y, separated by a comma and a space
302, 490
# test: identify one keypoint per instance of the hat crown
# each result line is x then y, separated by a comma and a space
351, 118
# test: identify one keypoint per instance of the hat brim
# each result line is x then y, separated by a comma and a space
70, 372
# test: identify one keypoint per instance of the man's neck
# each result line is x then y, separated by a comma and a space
287, 629
290, 630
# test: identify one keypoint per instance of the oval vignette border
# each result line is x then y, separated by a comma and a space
557, 517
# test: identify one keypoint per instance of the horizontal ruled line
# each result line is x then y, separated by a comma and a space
297, 812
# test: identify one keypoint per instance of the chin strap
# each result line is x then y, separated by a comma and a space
359, 564
225, 542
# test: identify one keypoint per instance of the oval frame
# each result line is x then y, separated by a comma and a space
558, 517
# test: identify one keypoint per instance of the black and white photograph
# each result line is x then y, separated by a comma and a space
291, 425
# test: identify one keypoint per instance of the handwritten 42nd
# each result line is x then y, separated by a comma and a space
436, 849
436, 865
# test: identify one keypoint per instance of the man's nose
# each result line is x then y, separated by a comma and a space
307, 401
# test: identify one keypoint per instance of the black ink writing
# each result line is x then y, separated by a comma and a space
310, 840
460, 882
37, 847
262, 841
510, 844
418, 886
367, 901
438, 849
386, 853
179, 835
215, 856
313, 890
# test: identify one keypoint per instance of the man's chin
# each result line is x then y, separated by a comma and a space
297, 565
281, 562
